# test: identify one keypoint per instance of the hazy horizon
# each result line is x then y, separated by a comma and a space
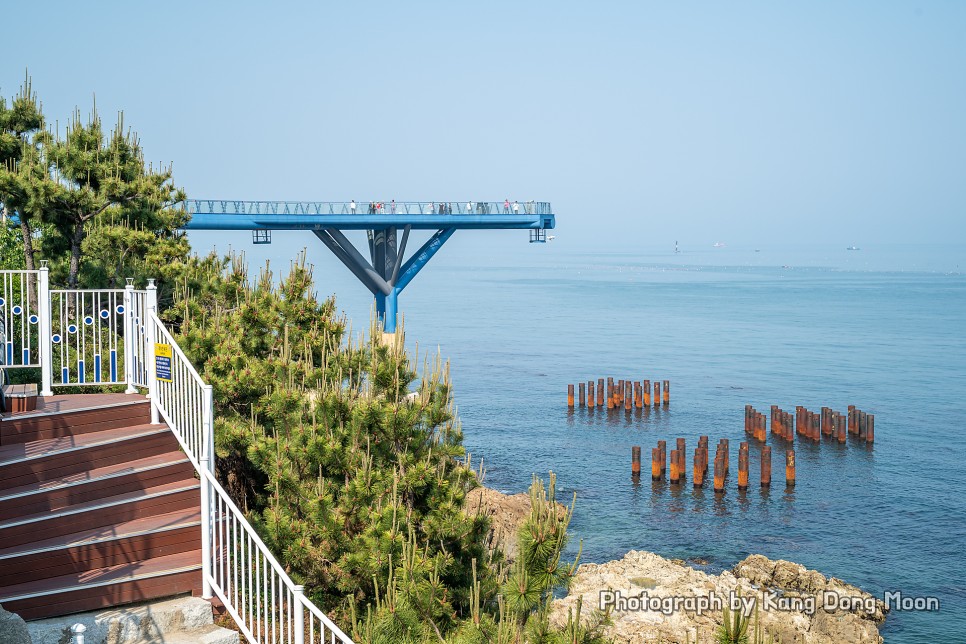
742, 123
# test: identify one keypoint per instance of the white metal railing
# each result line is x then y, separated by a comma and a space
185, 401
86, 338
237, 566
251, 583
114, 336
20, 299
136, 350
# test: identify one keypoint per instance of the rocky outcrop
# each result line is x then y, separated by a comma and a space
793, 577
506, 513
655, 599
173, 621
13, 630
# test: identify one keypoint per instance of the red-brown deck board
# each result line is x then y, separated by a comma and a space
112, 574
151, 523
57, 404
48, 446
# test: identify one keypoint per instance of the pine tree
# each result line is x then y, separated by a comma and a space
100, 183
357, 485
21, 172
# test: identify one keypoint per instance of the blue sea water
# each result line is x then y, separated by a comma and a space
883, 328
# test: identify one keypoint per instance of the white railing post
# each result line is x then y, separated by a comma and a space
297, 595
207, 464
130, 336
77, 633
151, 309
208, 425
206, 531
44, 342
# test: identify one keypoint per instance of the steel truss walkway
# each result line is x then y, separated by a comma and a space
386, 273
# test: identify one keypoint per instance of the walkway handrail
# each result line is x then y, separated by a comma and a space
181, 402
382, 207
263, 600
237, 566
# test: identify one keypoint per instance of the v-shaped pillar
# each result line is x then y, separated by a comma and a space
387, 275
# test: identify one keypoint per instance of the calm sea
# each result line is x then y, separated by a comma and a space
883, 328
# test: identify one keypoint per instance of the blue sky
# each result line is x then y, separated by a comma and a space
753, 122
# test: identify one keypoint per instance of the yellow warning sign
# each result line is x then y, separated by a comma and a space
162, 361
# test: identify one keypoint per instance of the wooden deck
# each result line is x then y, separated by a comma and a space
75, 402
97, 507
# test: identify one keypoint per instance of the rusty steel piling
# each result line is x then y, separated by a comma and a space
719, 476
743, 466
697, 471
765, 466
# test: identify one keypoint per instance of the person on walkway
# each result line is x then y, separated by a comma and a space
352, 206
506, 206
516, 207
392, 206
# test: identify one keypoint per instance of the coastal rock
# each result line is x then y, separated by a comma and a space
832, 593
506, 512
676, 603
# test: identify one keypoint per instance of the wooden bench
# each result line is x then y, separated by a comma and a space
18, 398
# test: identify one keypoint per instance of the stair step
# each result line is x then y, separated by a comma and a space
210, 634
23, 428
99, 514
106, 586
98, 483
18, 452
49, 459
123, 542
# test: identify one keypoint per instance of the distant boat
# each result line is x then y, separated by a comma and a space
853, 248
718, 245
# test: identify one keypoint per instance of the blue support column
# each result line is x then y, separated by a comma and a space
392, 305
381, 306
422, 257
386, 279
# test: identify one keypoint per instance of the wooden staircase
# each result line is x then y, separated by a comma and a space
97, 507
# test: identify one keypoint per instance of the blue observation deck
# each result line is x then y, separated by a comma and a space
386, 273
212, 214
